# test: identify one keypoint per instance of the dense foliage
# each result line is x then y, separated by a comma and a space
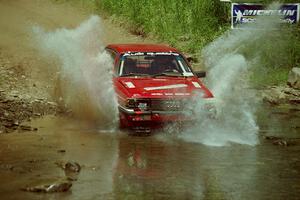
192, 24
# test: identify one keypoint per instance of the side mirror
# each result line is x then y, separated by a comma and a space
200, 74
190, 59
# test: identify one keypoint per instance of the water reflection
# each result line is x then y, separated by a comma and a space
150, 169
118, 166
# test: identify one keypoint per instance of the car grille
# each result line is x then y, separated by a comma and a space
167, 105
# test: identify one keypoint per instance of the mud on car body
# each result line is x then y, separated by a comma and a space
154, 85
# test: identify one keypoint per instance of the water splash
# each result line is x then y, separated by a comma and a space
235, 121
84, 74
229, 61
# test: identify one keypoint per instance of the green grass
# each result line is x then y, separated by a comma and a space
276, 53
189, 24
266, 1
192, 24
268, 76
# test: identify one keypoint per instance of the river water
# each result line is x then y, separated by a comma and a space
116, 165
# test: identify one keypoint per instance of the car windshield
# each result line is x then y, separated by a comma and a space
153, 64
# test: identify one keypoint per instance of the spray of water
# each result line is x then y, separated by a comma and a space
83, 82
227, 78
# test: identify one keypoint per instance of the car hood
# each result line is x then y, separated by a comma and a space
163, 87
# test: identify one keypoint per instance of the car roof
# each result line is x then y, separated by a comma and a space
123, 48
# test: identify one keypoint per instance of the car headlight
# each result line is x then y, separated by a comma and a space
130, 103
142, 104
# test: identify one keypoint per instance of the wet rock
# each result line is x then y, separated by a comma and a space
271, 138
37, 114
291, 91
69, 166
294, 78
280, 142
274, 95
72, 167
295, 101
16, 107
59, 186
4, 101
8, 125
277, 140
51, 103
71, 176
27, 128
281, 94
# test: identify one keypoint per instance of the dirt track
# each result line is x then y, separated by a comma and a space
27, 77
27, 84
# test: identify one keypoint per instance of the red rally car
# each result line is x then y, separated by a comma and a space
154, 85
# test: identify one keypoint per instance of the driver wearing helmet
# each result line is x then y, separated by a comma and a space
163, 64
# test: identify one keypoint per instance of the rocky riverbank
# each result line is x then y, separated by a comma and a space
21, 99
14, 110
284, 94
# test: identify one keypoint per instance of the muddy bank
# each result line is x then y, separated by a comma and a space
14, 110
283, 94
21, 99
27, 77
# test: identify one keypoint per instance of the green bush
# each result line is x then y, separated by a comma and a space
190, 24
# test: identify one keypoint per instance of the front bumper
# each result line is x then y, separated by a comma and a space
133, 118
151, 118
133, 112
